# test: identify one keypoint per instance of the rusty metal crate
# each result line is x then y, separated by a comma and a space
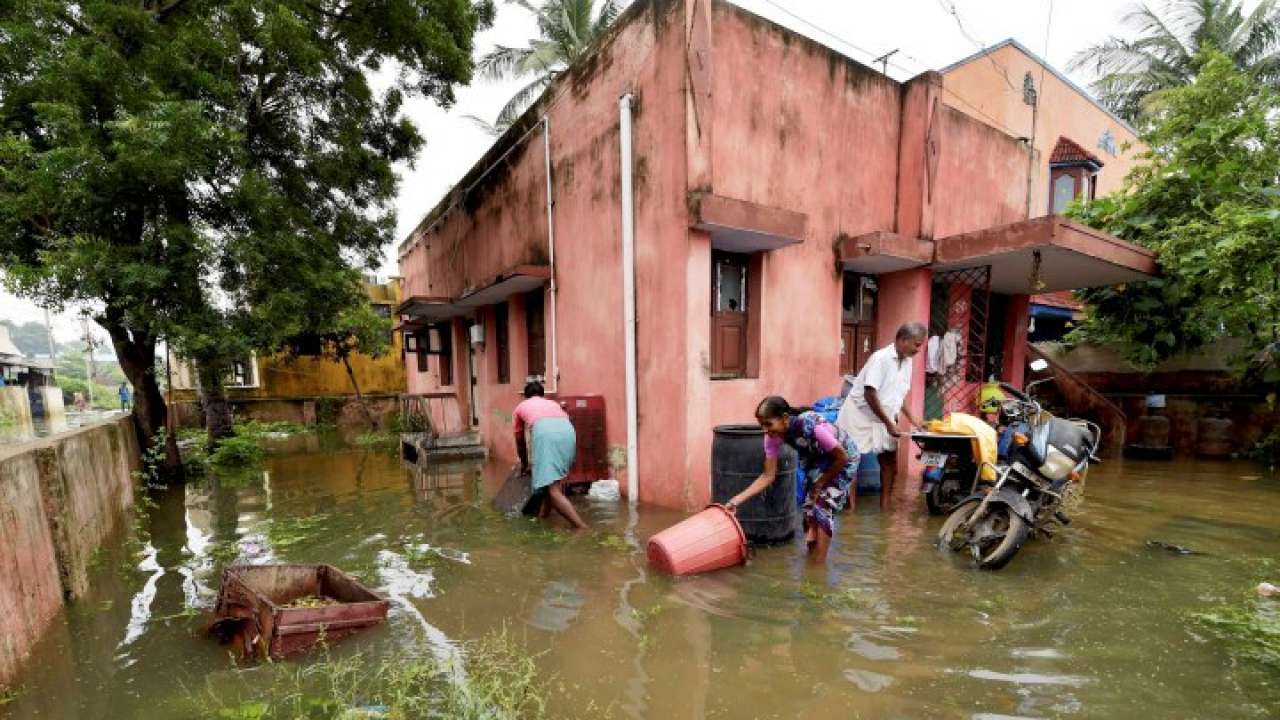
251, 607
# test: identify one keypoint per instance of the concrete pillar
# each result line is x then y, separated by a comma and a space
1015, 340
904, 297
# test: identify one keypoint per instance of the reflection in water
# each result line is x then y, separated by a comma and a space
140, 606
558, 607
1085, 624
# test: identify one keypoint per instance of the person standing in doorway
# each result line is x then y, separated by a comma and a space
554, 446
123, 392
870, 413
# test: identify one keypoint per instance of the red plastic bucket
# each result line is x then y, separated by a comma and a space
710, 540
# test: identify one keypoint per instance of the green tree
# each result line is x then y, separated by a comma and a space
357, 329
208, 172
30, 337
566, 29
1206, 199
1164, 54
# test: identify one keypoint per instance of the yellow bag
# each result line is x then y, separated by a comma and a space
985, 443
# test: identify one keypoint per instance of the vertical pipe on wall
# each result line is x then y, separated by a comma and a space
629, 298
551, 252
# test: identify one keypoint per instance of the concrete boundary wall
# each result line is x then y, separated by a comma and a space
60, 499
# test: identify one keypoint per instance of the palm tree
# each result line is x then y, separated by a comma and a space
567, 29
1163, 54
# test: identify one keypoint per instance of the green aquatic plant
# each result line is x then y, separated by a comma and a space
1250, 630
612, 541
285, 532
494, 679
375, 438
237, 452
847, 598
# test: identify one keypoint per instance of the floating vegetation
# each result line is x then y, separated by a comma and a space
1250, 630
497, 680
289, 531
848, 598
375, 439
612, 541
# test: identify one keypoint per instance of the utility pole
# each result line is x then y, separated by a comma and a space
90, 365
884, 61
48, 329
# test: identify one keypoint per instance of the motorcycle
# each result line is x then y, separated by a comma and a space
1046, 454
957, 452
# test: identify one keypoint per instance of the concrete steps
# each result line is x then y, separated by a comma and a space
422, 448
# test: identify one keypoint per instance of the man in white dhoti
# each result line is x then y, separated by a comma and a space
878, 394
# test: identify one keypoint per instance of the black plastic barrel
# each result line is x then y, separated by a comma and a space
737, 459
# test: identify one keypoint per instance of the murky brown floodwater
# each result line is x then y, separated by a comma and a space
1089, 624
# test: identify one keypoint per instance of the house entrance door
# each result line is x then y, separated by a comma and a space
857, 322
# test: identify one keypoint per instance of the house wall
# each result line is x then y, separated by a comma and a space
501, 222
291, 380
1063, 112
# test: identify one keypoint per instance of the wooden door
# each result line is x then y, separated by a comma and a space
864, 344
728, 315
848, 348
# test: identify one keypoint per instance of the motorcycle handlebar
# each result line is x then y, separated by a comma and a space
1014, 392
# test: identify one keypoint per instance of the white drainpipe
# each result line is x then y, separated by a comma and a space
551, 252
629, 299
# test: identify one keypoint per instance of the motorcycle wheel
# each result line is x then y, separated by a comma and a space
993, 541
943, 497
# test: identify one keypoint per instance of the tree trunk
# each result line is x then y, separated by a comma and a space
217, 411
373, 423
136, 351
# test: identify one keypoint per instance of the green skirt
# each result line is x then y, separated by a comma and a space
555, 445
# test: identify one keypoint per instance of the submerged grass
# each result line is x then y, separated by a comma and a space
496, 679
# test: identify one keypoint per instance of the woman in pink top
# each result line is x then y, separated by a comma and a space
554, 444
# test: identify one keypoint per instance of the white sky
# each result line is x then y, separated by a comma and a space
924, 30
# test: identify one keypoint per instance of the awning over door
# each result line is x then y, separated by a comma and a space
1046, 254
519, 279
883, 252
745, 227
430, 308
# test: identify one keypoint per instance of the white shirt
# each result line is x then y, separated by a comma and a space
891, 377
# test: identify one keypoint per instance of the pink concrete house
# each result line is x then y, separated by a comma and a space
708, 209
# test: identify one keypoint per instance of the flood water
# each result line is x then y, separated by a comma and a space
1091, 623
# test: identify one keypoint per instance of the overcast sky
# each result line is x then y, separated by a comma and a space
925, 32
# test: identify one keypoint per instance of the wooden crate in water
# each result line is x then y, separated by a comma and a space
252, 612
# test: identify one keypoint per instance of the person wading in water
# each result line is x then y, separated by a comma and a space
554, 447
828, 456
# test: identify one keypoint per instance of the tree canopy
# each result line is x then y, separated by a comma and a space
1206, 199
212, 173
1164, 55
566, 28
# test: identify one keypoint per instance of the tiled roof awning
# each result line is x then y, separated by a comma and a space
519, 279
1069, 152
1046, 254
743, 227
883, 252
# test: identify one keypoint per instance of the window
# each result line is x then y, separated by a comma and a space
1063, 189
504, 351
242, 373
422, 346
437, 340
734, 318
536, 329
443, 336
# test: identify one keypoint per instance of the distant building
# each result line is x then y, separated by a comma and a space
29, 390
303, 388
